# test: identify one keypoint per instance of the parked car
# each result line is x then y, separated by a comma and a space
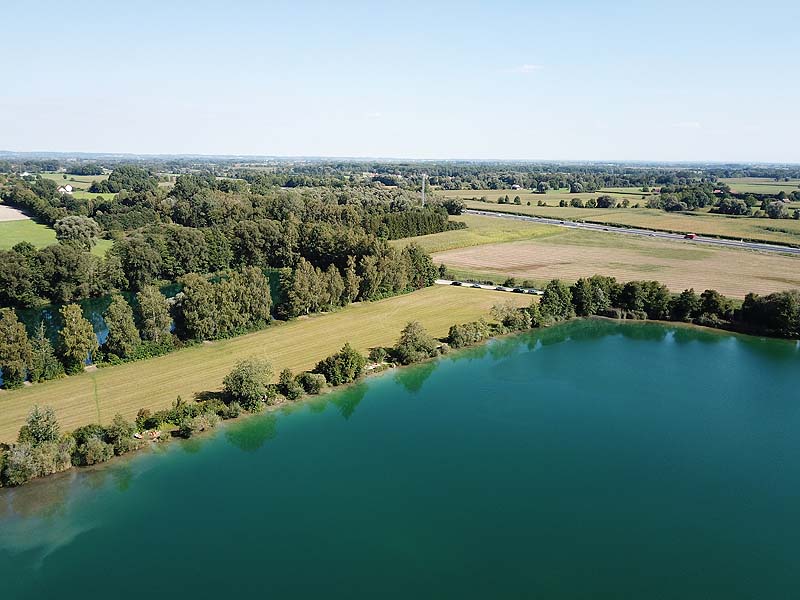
690, 236
456, 283
518, 291
500, 288
476, 285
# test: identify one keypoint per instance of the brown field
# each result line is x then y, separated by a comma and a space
155, 383
677, 264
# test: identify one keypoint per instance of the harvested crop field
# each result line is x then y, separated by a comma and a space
679, 265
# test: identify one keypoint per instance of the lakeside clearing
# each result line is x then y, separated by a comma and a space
155, 383
580, 253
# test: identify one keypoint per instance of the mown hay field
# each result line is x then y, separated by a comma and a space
779, 231
155, 383
678, 264
480, 230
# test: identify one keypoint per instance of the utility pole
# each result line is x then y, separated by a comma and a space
423, 188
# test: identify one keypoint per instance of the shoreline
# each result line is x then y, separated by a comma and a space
377, 370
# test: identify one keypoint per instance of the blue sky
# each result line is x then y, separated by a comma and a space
701, 80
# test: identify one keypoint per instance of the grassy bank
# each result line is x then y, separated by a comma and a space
298, 345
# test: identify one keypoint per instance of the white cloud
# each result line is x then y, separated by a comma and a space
687, 125
373, 115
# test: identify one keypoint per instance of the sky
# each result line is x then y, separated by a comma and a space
568, 80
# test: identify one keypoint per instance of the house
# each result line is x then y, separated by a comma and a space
65, 189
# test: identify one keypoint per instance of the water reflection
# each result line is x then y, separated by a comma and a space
251, 434
348, 400
413, 378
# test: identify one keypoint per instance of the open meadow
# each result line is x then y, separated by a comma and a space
761, 185
78, 182
778, 231
155, 383
578, 253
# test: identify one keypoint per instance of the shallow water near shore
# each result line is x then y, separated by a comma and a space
590, 460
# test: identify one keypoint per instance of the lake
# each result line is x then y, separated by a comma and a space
590, 460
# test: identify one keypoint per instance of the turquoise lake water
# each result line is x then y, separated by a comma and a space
591, 460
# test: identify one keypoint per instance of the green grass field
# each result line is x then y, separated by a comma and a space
761, 185
480, 230
27, 230
780, 231
155, 383
78, 182
14, 232
82, 195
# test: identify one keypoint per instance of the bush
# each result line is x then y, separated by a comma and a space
120, 435
233, 411
312, 382
415, 344
377, 355
93, 451
201, 422
248, 383
142, 418
20, 465
511, 317
41, 426
289, 386
468, 334
345, 366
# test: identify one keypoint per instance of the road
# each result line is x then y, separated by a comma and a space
641, 232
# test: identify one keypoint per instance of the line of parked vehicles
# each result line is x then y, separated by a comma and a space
500, 288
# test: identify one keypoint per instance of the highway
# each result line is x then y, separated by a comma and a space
641, 232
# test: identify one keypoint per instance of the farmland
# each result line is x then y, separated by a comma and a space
761, 185
479, 231
579, 253
155, 383
779, 231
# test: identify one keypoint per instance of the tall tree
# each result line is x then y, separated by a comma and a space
44, 364
154, 314
335, 285
77, 340
123, 337
352, 282
557, 301
15, 349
